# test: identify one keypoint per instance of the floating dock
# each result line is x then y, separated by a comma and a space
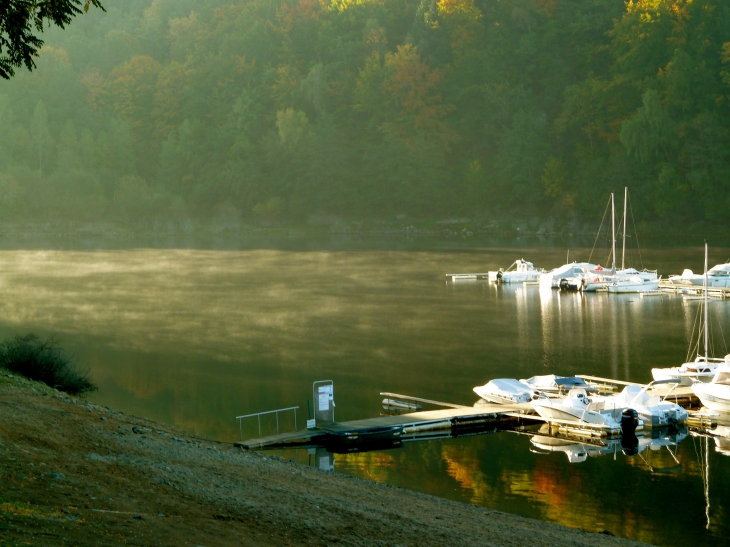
466, 276
462, 419
692, 291
458, 420
652, 293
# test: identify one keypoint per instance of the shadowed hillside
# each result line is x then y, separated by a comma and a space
283, 110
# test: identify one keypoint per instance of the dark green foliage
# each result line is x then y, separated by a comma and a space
290, 109
43, 361
19, 19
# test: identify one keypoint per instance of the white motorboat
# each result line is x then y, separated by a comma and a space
582, 276
715, 394
703, 368
684, 279
718, 276
559, 385
566, 272
579, 408
606, 411
652, 410
505, 391
520, 271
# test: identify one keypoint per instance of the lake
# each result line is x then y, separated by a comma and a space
195, 335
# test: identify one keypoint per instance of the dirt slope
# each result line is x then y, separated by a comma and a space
72, 473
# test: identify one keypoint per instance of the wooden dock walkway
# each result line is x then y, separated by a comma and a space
402, 426
466, 276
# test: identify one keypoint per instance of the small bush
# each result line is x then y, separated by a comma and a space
45, 362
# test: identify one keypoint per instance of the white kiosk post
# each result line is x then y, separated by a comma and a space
324, 403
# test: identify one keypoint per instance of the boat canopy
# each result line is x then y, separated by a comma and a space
563, 383
722, 375
720, 269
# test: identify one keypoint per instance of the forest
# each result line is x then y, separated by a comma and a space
284, 110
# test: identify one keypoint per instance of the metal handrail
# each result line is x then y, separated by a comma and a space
259, 414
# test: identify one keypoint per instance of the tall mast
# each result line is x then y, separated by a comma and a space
706, 329
613, 235
623, 250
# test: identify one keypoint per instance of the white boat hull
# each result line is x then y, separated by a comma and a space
712, 281
568, 271
593, 286
554, 411
627, 287
661, 414
520, 277
702, 370
520, 271
504, 391
713, 396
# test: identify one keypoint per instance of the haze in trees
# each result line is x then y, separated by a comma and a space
284, 109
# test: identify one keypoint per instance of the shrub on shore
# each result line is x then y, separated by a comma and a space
45, 362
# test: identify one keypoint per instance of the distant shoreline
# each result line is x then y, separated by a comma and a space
450, 230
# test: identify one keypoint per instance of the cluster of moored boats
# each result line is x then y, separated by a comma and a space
572, 401
589, 277
579, 276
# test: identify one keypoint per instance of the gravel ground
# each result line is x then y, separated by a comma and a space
73, 473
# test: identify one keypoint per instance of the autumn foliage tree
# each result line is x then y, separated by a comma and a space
291, 109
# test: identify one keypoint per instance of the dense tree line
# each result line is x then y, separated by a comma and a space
370, 108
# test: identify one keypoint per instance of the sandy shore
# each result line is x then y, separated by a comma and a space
73, 473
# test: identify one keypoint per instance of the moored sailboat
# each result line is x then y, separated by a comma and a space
703, 368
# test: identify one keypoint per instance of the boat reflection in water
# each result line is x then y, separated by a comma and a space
578, 450
545, 440
721, 436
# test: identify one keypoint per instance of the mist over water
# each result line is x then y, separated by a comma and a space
195, 337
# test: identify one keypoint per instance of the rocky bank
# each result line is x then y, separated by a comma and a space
74, 473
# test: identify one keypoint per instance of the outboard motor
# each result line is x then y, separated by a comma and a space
629, 423
499, 275
563, 284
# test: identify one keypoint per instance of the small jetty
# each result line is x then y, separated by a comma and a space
385, 429
693, 291
453, 420
466, 276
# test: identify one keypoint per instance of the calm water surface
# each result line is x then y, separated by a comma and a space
195, 337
